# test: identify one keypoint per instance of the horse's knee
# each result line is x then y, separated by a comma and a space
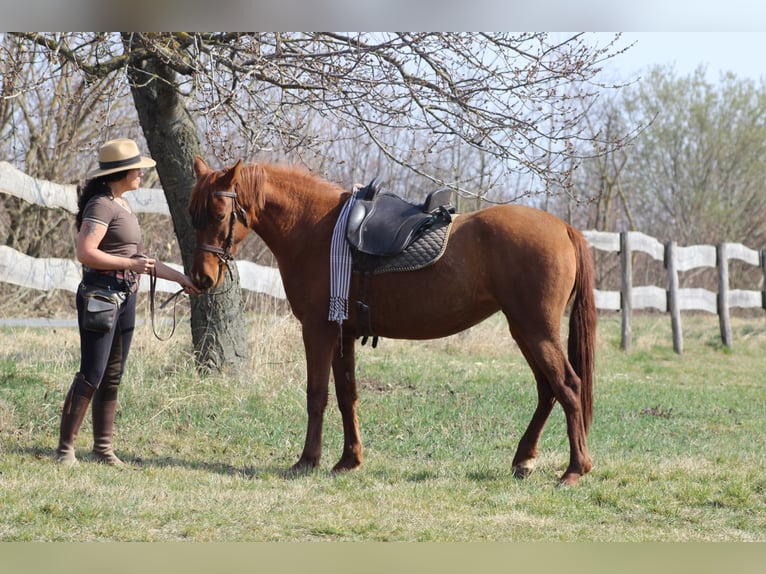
316, 403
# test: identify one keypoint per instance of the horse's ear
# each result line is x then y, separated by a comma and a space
232, 174
200, 167
235, 170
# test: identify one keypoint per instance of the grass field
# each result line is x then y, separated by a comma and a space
677, 443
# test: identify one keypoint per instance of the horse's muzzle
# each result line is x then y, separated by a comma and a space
202, 281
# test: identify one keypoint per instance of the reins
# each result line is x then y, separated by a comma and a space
152, 296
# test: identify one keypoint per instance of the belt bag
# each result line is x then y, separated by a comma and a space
101, 308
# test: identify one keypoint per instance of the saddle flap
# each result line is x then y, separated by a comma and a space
354, 222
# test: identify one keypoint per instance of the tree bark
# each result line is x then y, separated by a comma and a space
217, 321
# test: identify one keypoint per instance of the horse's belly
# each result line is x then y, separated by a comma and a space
426, 305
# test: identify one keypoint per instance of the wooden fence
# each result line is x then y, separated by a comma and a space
52, 273
673, 299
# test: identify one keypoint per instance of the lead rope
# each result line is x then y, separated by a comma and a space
152, 295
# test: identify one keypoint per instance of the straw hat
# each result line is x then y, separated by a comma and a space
119, 155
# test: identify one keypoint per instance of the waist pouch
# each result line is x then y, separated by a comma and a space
100, 308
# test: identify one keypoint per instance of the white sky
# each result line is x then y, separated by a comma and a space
739, 52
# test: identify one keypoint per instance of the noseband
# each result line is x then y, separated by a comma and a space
224, 253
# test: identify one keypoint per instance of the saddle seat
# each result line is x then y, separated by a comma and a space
383, 224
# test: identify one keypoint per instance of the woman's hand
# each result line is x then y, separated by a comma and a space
189, 287
140, 263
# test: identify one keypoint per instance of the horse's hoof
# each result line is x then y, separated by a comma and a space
569, 479
300, 468
523, 470
346, 466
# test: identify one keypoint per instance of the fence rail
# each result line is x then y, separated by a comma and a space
52, 273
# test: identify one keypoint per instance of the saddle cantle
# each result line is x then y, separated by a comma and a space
383, 224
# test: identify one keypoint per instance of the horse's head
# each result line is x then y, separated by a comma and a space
220, 219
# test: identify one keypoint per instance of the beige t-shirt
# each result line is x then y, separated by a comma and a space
123, 234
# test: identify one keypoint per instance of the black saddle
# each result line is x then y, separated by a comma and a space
383, 224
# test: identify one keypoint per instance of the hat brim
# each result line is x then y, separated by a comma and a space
140, 163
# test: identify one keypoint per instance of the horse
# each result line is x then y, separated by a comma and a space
518, 260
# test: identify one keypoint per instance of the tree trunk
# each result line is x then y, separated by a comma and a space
217, 321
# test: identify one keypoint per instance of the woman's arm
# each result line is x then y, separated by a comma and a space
167, 272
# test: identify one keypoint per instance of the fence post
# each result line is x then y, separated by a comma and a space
626, 290
675, 312
763, 268
723, 294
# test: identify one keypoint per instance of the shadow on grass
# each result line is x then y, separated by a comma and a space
253, 472
40, 452
222, 468
250, 472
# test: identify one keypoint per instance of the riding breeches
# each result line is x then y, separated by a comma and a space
103, 355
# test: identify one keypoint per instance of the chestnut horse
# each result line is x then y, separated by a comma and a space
519, 260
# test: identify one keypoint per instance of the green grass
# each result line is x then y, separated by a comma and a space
677, 443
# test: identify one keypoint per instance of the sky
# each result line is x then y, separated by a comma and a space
739, 52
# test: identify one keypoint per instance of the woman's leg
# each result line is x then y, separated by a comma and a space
94, 354
104, 407
75, 407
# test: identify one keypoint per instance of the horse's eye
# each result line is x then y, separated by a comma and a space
220, 218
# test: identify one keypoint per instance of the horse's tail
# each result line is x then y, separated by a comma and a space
582, 323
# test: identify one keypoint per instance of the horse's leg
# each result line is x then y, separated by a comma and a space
568, 394
556, 380
319, 345
345, 390
526, 452
565, 386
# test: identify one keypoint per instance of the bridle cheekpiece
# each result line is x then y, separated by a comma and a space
224, 253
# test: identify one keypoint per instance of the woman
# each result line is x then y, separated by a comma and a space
110, 248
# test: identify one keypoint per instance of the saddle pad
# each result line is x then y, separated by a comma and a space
424, 251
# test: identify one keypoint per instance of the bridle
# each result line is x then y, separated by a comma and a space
224, 253
224, 256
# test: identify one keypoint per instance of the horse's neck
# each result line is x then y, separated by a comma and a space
294, 206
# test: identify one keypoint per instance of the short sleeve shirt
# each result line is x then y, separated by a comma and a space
123, 234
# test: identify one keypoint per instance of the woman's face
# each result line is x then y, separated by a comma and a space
133, 178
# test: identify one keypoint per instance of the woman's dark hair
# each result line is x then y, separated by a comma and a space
93, 187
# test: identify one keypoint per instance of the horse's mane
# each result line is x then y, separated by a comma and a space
298, 177
251, 184
252, 177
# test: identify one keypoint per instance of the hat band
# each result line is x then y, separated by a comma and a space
119, 162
